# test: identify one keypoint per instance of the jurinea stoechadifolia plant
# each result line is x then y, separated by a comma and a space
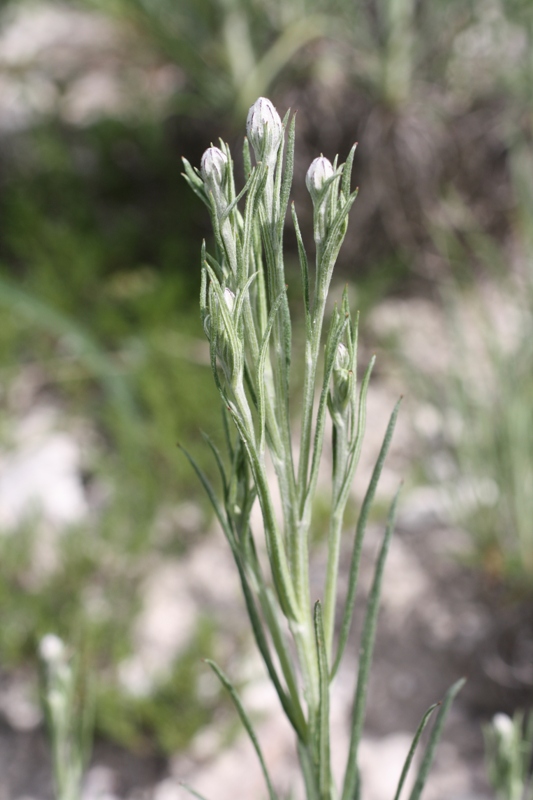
246, 318
67, 716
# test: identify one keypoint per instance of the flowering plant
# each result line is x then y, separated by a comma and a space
247, 320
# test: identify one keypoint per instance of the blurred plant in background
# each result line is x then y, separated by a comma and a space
68, 717
509, 748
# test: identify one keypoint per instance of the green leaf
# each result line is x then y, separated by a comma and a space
287, 177
347, 173
434, 739
335, 334
218, 459
322, 748
261, 363
360, 531
217, 508
366, 652
225, 681
195, 182
424, 721
290, 705
304, 268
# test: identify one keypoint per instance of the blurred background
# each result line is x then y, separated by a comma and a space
105, 537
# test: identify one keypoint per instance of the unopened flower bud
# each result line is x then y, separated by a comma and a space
213, 168
52, 649
265, 130
318, 173
342, 380
503, 725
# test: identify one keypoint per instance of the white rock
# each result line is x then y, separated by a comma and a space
41, 475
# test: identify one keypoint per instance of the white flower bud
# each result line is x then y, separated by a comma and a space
318, 173
503, 725
265, 130
52, 649
213, 168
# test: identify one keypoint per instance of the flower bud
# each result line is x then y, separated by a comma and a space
342, 380
213, 168
265, 130
52, 649
318, 173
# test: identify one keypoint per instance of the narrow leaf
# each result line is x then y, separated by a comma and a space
366, 652
347, 172
424, 721
304, 268
217, 508
287, 177
322, 749
261, 363
218, 459
359, 537
434, 739
225, 681
291, 707
192, 791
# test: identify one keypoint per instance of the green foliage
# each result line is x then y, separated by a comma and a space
96, 312
168, 718
509, 752
247, 320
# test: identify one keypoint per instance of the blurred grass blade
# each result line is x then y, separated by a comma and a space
424, 721
245, 721
322, 749
89, 352
217, 508
359, 537
434, 738
366, 652
192, 791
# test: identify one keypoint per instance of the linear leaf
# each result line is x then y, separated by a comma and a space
304, 267
347, 172
434, 738
359, 537
322, 749
261, 363
218, 459
287, 177
292, 709
366, 652
245, 719
335, 335
192, 791
424, 721
217, 508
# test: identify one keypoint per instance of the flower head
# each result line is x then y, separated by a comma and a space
342, 379
265, 130
318, 173
213, 168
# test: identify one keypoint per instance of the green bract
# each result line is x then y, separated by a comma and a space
247, 320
